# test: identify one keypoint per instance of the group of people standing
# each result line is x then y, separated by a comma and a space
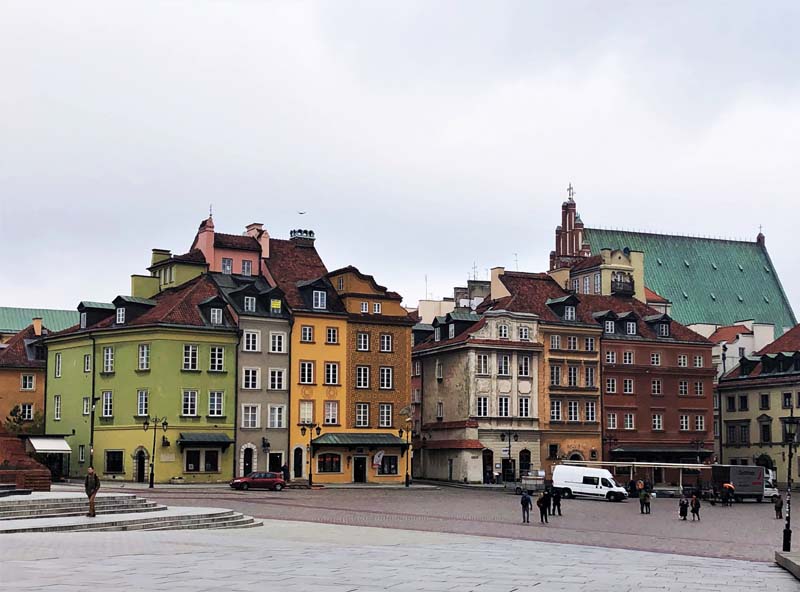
685, 504
548, 502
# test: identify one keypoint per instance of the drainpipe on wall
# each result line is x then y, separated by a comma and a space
236, 405
93, 404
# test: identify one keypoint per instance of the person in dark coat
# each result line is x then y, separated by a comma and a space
777, 503
285, 471
683, 507
542, 503
642, 494
695, 505
556, 501
92, 486
527, 504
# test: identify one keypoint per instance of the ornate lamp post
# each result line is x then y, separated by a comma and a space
510, 434
790, 434
401, 431
311, 428
154, 421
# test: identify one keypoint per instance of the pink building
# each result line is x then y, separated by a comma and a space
232, 253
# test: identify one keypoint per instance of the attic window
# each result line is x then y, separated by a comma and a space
630, 327
364, 307
83, 320
437, 334
569, 313
275, 306
121, 316
451, 330
249, 303
340, 283
609, 327
502, 331
663, 329
320, 299
216, 316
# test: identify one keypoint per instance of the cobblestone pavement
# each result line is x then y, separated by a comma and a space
746, 531
329, 558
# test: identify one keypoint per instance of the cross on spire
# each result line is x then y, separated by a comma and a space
210, 210
570, 191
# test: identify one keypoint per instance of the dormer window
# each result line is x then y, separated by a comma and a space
365, 308
275, 306
575, 285
249, 303
320, 300
227, 265
524, 334
663, 329
216, 316
569, 313
609, 327
451, 330
437, 334
340, 283
502, 331
247, 267
630, 328
83, 320
120, 316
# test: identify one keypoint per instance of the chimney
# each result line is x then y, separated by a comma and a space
37, 326
160, 255
256, 230
302, 238
498, 290
761, 240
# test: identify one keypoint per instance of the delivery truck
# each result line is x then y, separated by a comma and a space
749, 481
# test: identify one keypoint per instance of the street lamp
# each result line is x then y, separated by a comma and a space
311, 428
408, 448
155, 420
790, 433
510, 434
698, 443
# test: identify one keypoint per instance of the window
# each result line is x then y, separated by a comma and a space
627, 358
483, 406
277, 379
503, 406
108, 404
81, 453
586, 284
572, 375
386, 342
331, 412
364, 307
555, 375
730, 404
251, 378
611, 357
589, 343
591, 411
611, 421
572, 411
743, 402
683, 360
716, 428
524, 406
57, 407
627, 386
227, 265
249, 303
114, 461
698, 388
83, 320
716, 401
608, 326
684, 423
376, 307
362, 377
217, 359
655, 386
787, 401
524, 366
439, 410
87, 363
611, 385
385, 415
277, 343
216, 316
277, 417
555, 342
340, 283
630, 327
766, 432
250, 416
202, 461
247, 267
306, 372
362, 341
190, 357
700, 423
524, 334
451, 330
741, 352
27, 411
306, 412
121, 316
108, 359
57, 369
143, 357
437, 334
362, 415
388, 465
87, 405
329, 463
555, 410
572, 343
320, 301
307, 334
764, 401
142, 403
331, 373
569, 313
252, 341
698, 361
503, 365
663, 329
597, 283
417, 368
502, 331
589, 376
575, 285
483, 364
655, 359
28, 383
332, 335
439, 370
658, 422
189, 408
744, 434
215, 406
275, 306
630, 423
386, 377
683, 387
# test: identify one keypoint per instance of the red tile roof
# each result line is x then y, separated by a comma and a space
653, 297
236, 241
729, 333
291, 262
15, 354
587, 263
788, 342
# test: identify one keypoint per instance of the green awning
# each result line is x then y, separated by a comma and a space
354, 440
207, 440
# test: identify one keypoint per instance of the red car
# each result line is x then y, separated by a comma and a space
272, 481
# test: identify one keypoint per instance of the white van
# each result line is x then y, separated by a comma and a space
575, 480
770, 485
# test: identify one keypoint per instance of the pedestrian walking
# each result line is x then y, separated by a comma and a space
647, 497
542, 503
92, 486
777, 503
683, 507
695, 505
548, 496
556, 501
527, 504
642, 494
285, 471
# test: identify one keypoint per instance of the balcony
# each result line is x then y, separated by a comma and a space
622, 287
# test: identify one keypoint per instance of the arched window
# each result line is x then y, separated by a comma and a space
524, 461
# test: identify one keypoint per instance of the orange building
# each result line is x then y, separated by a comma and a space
22, 366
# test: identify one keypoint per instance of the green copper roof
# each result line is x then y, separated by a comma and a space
707, 280
13, 320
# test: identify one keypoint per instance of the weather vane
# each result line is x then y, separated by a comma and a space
570, 191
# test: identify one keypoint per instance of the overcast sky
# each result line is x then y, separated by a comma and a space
421, 138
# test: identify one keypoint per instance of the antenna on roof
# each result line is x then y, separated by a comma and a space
474, 270
516, 258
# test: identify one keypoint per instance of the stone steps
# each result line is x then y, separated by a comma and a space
51, 508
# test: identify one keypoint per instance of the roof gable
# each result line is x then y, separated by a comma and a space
20, 351
291, 262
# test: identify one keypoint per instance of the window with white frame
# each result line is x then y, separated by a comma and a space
87, 405
386, 342
386, 377
364, 307
307, 334
451, 330
663, 329
591, 411
277, 343
376, 307
142, 403
698, 388
586, 281
277, 416
252, 341
306, 412
555, 410
611, 357
189, 407
655, 359
439, 370
524, 333
190, 357
362, 377
589, 376
572, 411
503, 365
684, 423
611, 385
81, 453
340, 283
83, 320
555, 342
502, 331
332, 335
630, 327
683, 360
611, 421
331, 372
362, 341
524, 366
572, 376
524, 406
698, 361
251, 378
597, 283
216, 316
57, 407
215, 403
627, 357
28, 382
627, 386
589, 343
362, 415
683, 387
277, 379
700, 423
575, 284
483, 364
108, 359
503, 404
608, 327
320, 300
483, 407
249, 303
417, 368
247, 267
227, 265
87, 362
108, 404
555, 375
216, 359
57, 368
251, 416
569, 313
121, 316
658, 422
655, 386
630, 422
439, 410
331, 413
572, 343
385, 415
307, 372
144, 357
437, 334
